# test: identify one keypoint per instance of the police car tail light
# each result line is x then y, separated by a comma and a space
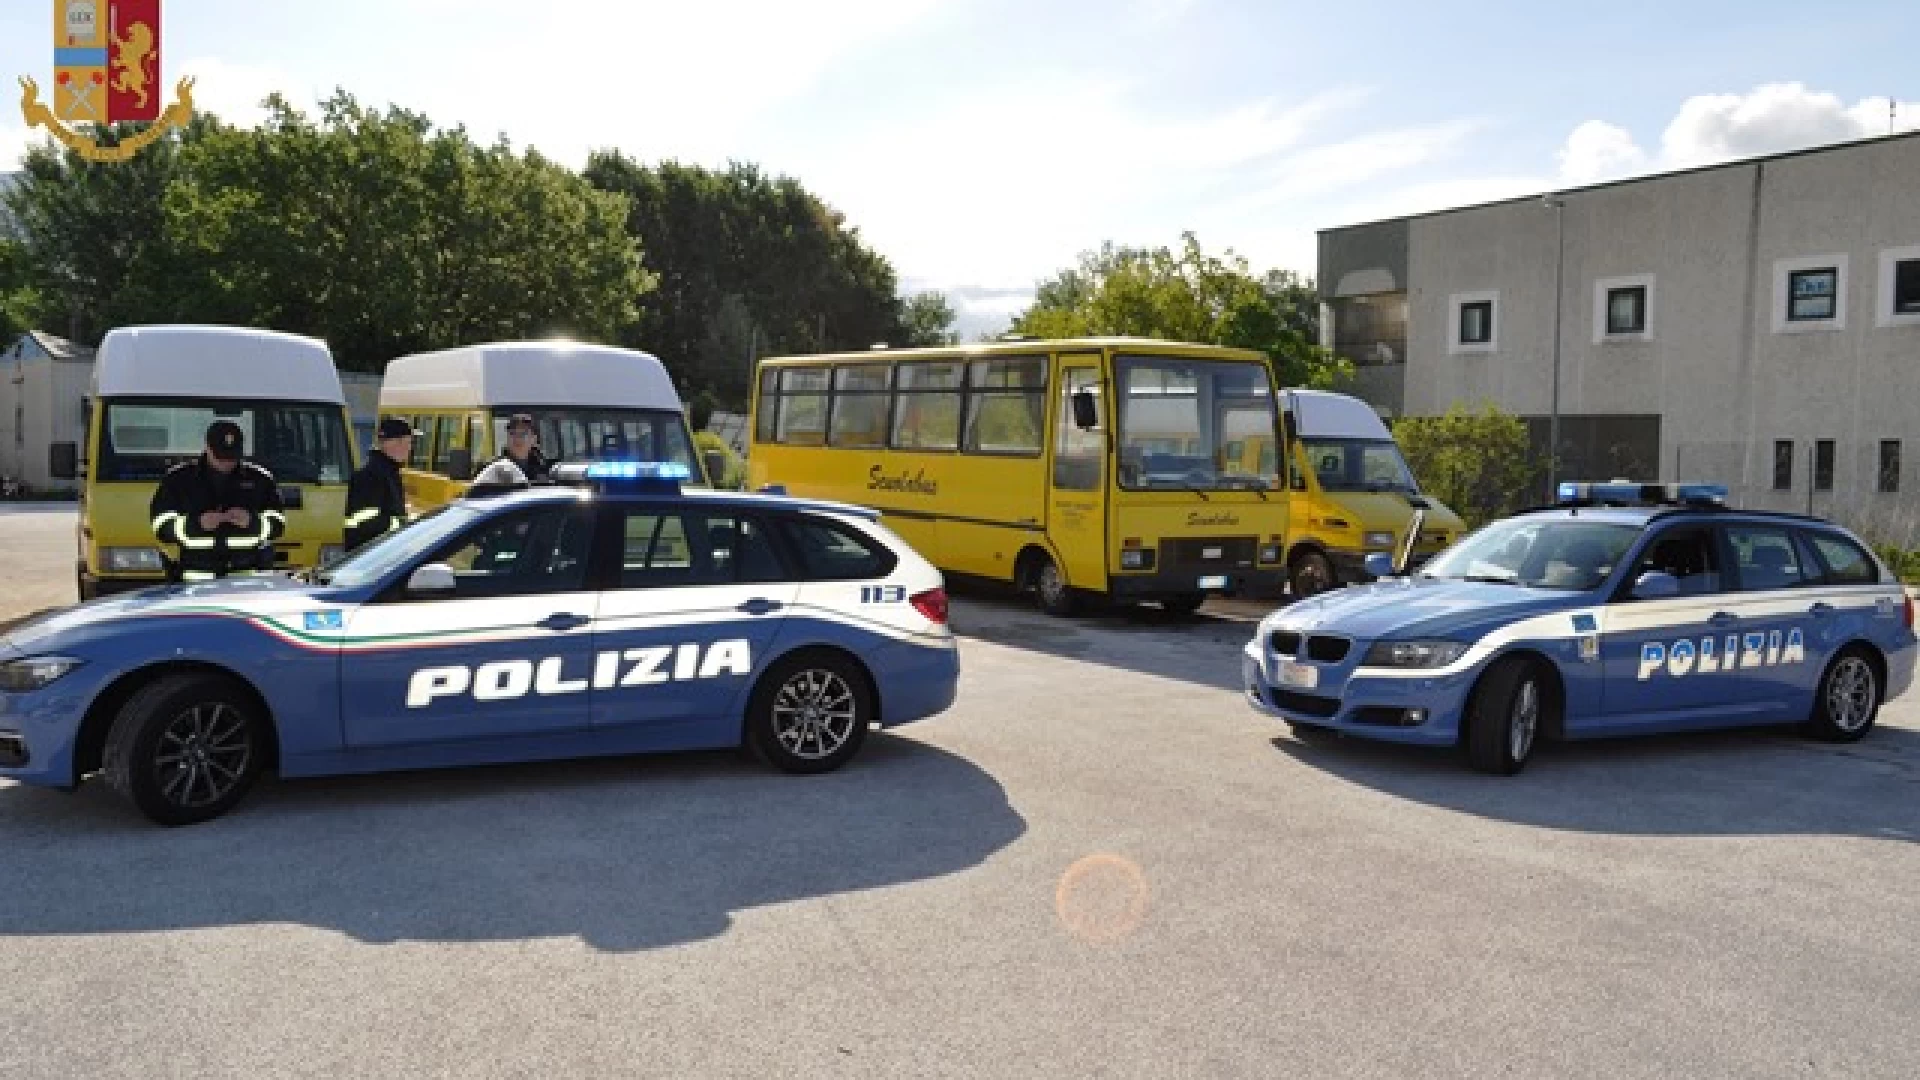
932, 604
1414, 654
1909, 615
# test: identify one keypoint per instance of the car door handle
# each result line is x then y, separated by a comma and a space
759, 605
1723, 618
563, 620
1821, 610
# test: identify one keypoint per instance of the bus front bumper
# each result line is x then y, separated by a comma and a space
1240, 581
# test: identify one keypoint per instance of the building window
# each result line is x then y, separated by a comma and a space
1475, 319
1476, 323
1812, 294
1783, 465
1627, 310
1823, 465
1906, 287
1890, 465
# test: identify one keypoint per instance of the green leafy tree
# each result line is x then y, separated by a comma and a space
749, 265
926, 320
1188, 296
1478, 462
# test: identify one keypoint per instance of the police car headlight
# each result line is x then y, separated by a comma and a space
1379, 539
26, 676
123, 560
1414, 654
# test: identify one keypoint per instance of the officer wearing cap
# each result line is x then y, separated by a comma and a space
222, 513
523, 451
376, 503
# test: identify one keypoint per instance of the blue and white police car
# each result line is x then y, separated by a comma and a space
1624, 609
612, 613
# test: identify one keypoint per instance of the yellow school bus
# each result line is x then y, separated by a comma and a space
1095, 467
1351, 494
587, 401
155, 390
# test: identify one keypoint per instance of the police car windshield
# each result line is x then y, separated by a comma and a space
1537, 553
387, 554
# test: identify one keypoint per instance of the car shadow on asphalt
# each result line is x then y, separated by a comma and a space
1203, 648
624, 853
1743, 782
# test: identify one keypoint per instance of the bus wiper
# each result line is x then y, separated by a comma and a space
1493, 579
1195, 488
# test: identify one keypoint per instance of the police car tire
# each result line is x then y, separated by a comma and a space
133, 743
1490, 716
1823, 724
762, 733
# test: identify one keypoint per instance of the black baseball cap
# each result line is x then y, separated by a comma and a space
225, 440
395, 428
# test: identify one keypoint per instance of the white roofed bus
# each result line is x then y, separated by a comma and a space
588, 402
154, 392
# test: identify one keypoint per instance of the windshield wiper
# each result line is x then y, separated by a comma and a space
1493, 579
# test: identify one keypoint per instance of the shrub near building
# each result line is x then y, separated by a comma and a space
1476, 462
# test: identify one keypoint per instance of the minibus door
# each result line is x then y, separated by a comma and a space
1076, 495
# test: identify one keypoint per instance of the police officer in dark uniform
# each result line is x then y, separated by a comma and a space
223, 513
376, 502
523, 450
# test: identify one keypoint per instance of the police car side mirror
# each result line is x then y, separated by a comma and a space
63, 461
433, 579
1086, 411
459, 464
1379, 564
1655, 585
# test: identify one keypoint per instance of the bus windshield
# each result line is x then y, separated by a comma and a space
1179, 420
298, 442
1359, 465
588, 434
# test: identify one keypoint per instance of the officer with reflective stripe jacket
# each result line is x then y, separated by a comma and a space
222, 513
376, 503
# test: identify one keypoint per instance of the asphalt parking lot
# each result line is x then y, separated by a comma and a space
1099, 863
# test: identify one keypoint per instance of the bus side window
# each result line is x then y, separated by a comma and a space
443, 429
477, 439
422, 445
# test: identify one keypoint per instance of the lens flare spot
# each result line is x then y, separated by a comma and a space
1102, 898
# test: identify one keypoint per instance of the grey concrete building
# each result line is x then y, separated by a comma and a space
1755, 324
43, 387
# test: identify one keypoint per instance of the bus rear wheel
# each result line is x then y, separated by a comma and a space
1056, 596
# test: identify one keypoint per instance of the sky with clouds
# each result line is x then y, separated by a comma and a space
982, 144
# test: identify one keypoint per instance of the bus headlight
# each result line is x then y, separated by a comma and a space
1270, 553
1136, 559
1379, 539
1414, 654
130, 560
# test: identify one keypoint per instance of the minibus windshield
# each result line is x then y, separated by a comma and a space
1359, 465
1179, 417
589, 434
298, 442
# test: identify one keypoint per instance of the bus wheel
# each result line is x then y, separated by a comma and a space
1309, 573
1056, 598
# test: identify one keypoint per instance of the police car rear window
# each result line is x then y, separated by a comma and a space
1847, 562
830, 551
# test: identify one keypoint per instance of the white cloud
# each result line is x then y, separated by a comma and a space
233, 92
14, 141
1711, 128
1599, 151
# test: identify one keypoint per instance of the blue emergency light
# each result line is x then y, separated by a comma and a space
654, 477
1622, 493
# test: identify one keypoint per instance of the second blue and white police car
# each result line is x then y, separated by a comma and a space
614, 614
1627, 609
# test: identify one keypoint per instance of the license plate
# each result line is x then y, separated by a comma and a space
1295, 673
1212, 553
1217, 581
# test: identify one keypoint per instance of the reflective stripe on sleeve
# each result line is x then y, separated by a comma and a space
354, 521
197, 575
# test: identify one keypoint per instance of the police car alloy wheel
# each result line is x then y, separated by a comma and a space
185, 749
1505, 716
810, 713
1849, 698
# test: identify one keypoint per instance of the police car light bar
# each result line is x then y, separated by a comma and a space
1625, 494
661, 476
